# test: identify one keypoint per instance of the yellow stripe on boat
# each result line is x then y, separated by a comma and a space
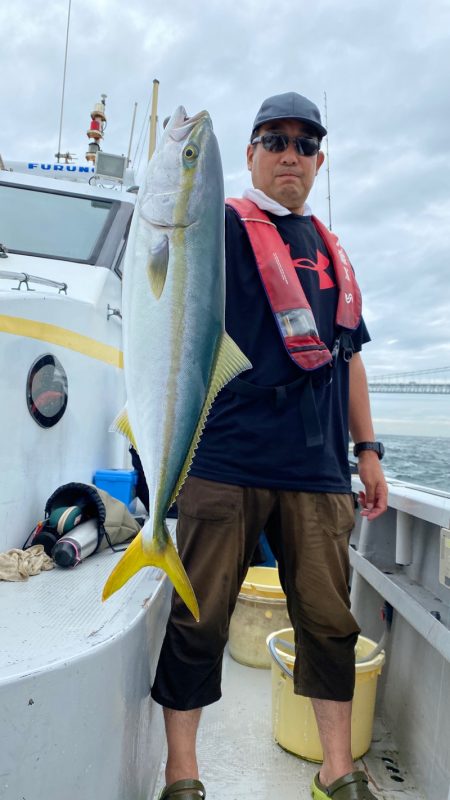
53, 334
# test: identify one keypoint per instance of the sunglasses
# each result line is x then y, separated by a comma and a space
279, 142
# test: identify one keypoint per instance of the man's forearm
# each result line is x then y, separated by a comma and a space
360, 418
373, 500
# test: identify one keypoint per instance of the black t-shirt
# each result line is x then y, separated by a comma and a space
249, 441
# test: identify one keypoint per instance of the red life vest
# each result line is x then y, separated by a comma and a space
284, 291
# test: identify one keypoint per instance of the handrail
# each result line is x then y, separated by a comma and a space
26, 278
395, 482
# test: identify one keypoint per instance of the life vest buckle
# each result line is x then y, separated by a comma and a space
344, 343
335, 350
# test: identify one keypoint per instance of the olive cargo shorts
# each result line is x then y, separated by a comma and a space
218, 529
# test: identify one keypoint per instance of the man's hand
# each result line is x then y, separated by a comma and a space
373, 501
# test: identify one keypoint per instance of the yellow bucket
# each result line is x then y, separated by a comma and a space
293, 722
260, 610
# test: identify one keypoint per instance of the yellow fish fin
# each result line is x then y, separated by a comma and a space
165, 557
157, 265
230, 361
122, 425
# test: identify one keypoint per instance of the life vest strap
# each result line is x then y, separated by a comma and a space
278, 395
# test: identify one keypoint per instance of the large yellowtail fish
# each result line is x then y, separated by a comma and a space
177, 355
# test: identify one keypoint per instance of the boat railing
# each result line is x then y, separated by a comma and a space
403, 556
25, 278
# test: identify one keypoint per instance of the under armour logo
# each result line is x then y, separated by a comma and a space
322, 263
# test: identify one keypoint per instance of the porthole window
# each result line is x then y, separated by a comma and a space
47, 391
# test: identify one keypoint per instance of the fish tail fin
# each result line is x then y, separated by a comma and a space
173, 567
165, 557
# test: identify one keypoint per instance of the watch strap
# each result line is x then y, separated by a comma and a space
377, 447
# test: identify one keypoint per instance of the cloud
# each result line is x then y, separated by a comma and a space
383, 66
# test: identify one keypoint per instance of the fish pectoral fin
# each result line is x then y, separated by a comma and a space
166, 557
122, 425
157, 265
230, 361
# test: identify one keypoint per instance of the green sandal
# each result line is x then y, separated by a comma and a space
188, 789
353, 786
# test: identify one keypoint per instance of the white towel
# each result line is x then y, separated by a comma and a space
18, 565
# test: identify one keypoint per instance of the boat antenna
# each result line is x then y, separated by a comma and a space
328, 162
131, 135
153, 119
59, 154
96, 129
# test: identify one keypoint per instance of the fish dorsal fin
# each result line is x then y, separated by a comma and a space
122, 425
158, 262
230, 361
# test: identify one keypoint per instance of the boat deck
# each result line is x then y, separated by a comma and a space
238, 757
75, 675
58, 616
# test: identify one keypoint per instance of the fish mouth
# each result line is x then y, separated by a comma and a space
180, 126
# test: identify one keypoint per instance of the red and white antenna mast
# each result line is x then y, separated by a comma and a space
96, 129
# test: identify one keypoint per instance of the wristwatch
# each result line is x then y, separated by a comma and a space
378, 447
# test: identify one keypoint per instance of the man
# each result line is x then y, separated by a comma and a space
274, 455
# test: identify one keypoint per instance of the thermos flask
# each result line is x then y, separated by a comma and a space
69, 550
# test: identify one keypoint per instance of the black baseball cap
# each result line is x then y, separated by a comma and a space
290, 106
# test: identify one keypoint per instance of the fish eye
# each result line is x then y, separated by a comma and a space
190, 153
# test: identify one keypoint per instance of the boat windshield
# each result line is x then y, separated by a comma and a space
53, 224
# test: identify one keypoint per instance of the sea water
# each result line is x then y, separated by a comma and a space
424, 460
415, 430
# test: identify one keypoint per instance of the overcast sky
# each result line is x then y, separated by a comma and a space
385, 67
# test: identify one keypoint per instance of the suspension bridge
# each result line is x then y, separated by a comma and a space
425, 381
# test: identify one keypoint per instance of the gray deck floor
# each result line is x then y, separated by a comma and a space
239, 759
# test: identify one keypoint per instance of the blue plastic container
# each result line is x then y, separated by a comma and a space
269, 558
119, 483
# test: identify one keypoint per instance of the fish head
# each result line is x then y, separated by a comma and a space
177, 188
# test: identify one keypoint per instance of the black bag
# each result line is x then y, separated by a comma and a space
115, 524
